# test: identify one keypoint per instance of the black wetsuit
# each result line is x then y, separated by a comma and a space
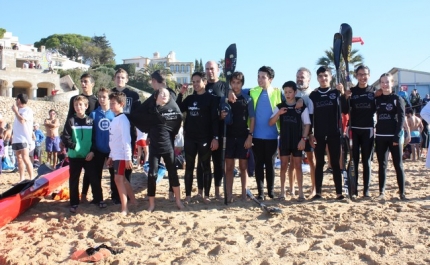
291, 129
217, 89
200, 127
326, 121
161, 143
390, 110
362, 107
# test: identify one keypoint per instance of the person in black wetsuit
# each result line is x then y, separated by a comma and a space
390, 110
361, 105
121, 79
326, 120
218, 89
294, 130
238, 134
200, 132
161, 136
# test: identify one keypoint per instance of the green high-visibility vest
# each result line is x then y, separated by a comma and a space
274, 98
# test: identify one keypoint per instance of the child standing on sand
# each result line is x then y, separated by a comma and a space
120, 149
77, 137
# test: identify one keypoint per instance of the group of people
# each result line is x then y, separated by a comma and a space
269, 121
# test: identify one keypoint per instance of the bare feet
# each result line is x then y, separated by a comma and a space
206, 199
124, 213
171, 196
187, 199
84, 198
179, 205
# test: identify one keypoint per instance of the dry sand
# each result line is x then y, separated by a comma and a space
327, 232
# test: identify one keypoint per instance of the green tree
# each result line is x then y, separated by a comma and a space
221, 65
98, 51
196, 66
67, 44
328, 61
2, 32
202, 68
142, 79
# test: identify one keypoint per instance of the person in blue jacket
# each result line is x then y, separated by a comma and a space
100, 150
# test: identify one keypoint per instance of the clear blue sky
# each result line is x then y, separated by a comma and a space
279, 33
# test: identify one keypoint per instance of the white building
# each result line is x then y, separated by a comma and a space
24, 69
181, 71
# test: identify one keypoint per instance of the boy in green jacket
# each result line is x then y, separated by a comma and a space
77, 137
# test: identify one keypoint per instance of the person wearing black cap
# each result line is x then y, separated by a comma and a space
326, 120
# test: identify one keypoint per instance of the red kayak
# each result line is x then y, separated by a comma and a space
32, 192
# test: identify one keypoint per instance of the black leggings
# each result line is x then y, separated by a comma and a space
216, 164
154, 160
383, 145
333, 143
191, 149
264, 155
364, 140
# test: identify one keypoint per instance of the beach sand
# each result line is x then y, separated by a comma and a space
323, 232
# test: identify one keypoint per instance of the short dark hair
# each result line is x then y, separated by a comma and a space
410, 111
201, 74
119, 71
267, 69
23, 98
52, 110
159, 76
291, 84
323, 69
238, 76
361, 67
119, 97
87, 75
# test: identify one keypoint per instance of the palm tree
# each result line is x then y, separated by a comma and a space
328, 60
144, 74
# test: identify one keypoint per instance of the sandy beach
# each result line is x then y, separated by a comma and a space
323, 232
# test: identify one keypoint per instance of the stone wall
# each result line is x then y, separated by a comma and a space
40, 109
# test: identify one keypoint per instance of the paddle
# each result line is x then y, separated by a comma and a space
337, 51
346, 32
229, 67
268, 209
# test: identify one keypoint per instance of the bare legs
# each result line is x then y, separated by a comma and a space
124, 190
24, 162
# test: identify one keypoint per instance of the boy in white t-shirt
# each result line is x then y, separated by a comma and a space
120, 149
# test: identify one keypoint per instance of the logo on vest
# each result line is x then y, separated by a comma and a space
104, 124
389, 107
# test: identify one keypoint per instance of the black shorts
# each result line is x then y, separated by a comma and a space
235, 148
286, 152
19, 146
